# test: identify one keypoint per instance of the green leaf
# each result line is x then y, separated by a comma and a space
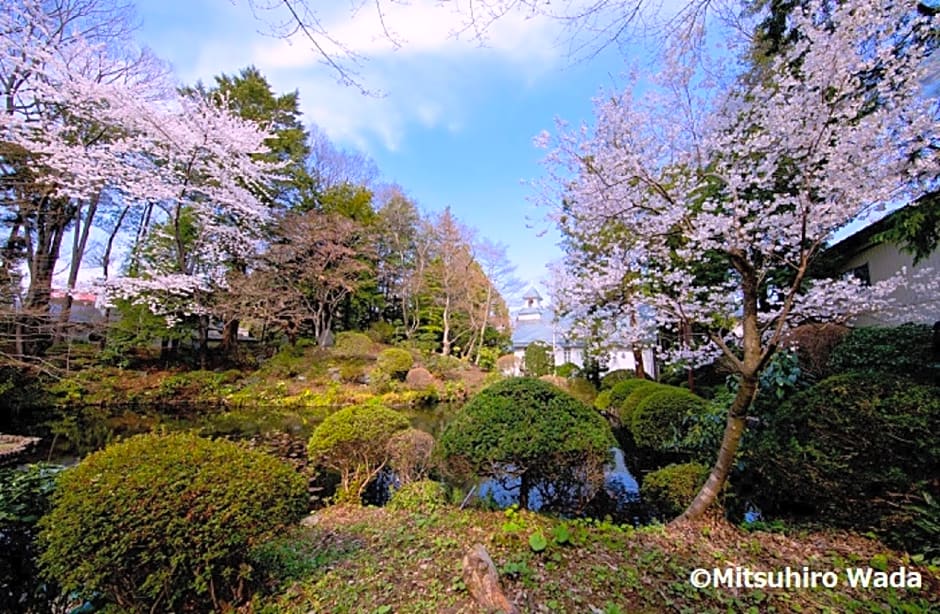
537, 542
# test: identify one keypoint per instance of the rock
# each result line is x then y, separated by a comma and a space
482, 581
14, 447
419, 378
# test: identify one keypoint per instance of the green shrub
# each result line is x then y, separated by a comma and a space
905, 351
671, 489
615, 377
567, 370
352, 345
446, 367
602, 400
354, 443
395, 362
535, 431
851, 449
424, 496
488, 357
288, 362
538, 359
24, 497
657, 421
625, 396
381, 332
165, 522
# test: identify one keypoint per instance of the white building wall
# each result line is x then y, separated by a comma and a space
885, 260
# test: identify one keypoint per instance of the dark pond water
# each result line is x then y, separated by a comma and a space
82, 429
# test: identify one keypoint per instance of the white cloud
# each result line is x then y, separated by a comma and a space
431, 81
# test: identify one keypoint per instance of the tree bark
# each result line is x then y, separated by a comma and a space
734, 429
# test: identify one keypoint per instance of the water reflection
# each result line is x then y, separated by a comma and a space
619, 498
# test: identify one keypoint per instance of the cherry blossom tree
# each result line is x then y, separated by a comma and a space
197, 162
720, 204
66, 68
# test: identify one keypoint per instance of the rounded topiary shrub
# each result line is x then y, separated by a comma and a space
657, 421
625, 396
532, 431
616, 376
165, 522
671, 489
852, 449
568, 369
395, 362
423, 496
354, 443
602, 400
352, 345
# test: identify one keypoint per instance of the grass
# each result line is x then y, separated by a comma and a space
381, 560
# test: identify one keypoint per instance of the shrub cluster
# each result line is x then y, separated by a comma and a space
851, 449
626, 396
657, 421
568, 369
616, 376
395, 362
165, 522
24, 498
905, 351
424, 496
352, 345
354, 443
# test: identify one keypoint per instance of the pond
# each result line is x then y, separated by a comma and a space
284, 431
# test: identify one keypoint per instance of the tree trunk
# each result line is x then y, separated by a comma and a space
486, 315
524, 488
445, 339
203, 341
638, 367
734, 429
79, 245
229, 344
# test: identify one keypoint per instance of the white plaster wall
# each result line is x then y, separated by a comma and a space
884, 260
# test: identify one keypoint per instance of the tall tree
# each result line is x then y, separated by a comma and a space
759, 184
249, 95
66, 73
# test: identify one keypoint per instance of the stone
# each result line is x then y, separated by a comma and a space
419, 378
482, 581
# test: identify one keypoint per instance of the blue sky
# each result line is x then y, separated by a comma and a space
455, 122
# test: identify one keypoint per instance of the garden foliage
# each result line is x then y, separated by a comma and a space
852, 449
670, 490
354, 443
165, 522
531, 430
